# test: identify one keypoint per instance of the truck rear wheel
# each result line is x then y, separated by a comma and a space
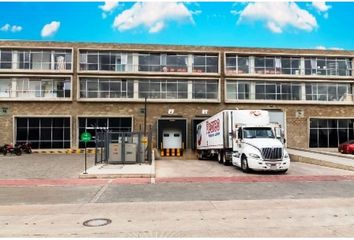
220, 157
244, 165
225, 161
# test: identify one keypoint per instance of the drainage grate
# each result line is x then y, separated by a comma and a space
97, 222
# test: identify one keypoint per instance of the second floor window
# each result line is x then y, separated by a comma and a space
5, 59
163, 89
205, 89
33, 88
106, 88
327, 92
44, 60
328, 66
106, 61
278, 91
150, 62
204, 63
237, 64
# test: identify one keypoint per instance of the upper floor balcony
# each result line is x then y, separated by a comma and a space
161, 63
288, 65
35, 60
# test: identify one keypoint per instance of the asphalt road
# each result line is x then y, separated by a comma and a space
257, 210
110, 193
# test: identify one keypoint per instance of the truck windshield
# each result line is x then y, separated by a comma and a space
258, 133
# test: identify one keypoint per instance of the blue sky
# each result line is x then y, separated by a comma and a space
260, 24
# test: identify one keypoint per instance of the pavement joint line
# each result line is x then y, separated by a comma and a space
101, 191
118, 181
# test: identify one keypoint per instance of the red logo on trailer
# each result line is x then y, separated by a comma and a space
213, 126
255, 113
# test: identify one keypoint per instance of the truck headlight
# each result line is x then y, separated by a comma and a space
286, 155
254, 155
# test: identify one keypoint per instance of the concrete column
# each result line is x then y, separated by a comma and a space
252, 90
14, 59
303, 92
190, 90
190, 63
302, 66
135, 67
52, 60
251, 64
13, 88
136, 89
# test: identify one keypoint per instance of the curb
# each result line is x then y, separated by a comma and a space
325, 153
134, 181
297, 158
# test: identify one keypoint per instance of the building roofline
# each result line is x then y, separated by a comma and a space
137, 46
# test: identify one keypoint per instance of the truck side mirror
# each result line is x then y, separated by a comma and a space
239, 133
278, 132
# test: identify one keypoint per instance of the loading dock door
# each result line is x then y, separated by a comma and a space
172, 138
171, 126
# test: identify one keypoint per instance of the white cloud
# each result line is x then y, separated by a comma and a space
108, 6
14, 28
321, 6
50, 29
320, 47
5, 28
152, 15
157, 27
274, 28
278, 15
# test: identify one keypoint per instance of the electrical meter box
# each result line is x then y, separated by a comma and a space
122, 154
130, 152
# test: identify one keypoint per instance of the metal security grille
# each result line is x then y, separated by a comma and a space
272, 153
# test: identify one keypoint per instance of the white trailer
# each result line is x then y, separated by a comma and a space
245, 138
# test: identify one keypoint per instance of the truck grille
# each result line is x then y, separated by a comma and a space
272, 153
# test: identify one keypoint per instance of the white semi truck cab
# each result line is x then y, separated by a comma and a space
245, 138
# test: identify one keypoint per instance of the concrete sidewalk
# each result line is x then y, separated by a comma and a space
143, 170
331, 217
328, 159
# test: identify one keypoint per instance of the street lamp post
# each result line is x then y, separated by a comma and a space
145, 105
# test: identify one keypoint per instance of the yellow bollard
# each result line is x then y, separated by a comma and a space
173, 152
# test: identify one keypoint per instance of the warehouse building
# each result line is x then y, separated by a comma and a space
51, 92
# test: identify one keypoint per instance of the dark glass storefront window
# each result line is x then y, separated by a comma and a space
329, 133
44, 133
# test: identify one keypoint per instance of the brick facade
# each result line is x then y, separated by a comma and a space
297, 126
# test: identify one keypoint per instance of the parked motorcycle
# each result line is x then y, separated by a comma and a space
8, 148
25, 147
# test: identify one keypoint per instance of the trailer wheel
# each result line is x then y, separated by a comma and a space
224, 161
220, 157
244, 165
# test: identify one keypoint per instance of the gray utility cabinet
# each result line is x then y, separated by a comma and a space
122, 153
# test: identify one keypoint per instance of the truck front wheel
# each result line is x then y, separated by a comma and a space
244, 165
